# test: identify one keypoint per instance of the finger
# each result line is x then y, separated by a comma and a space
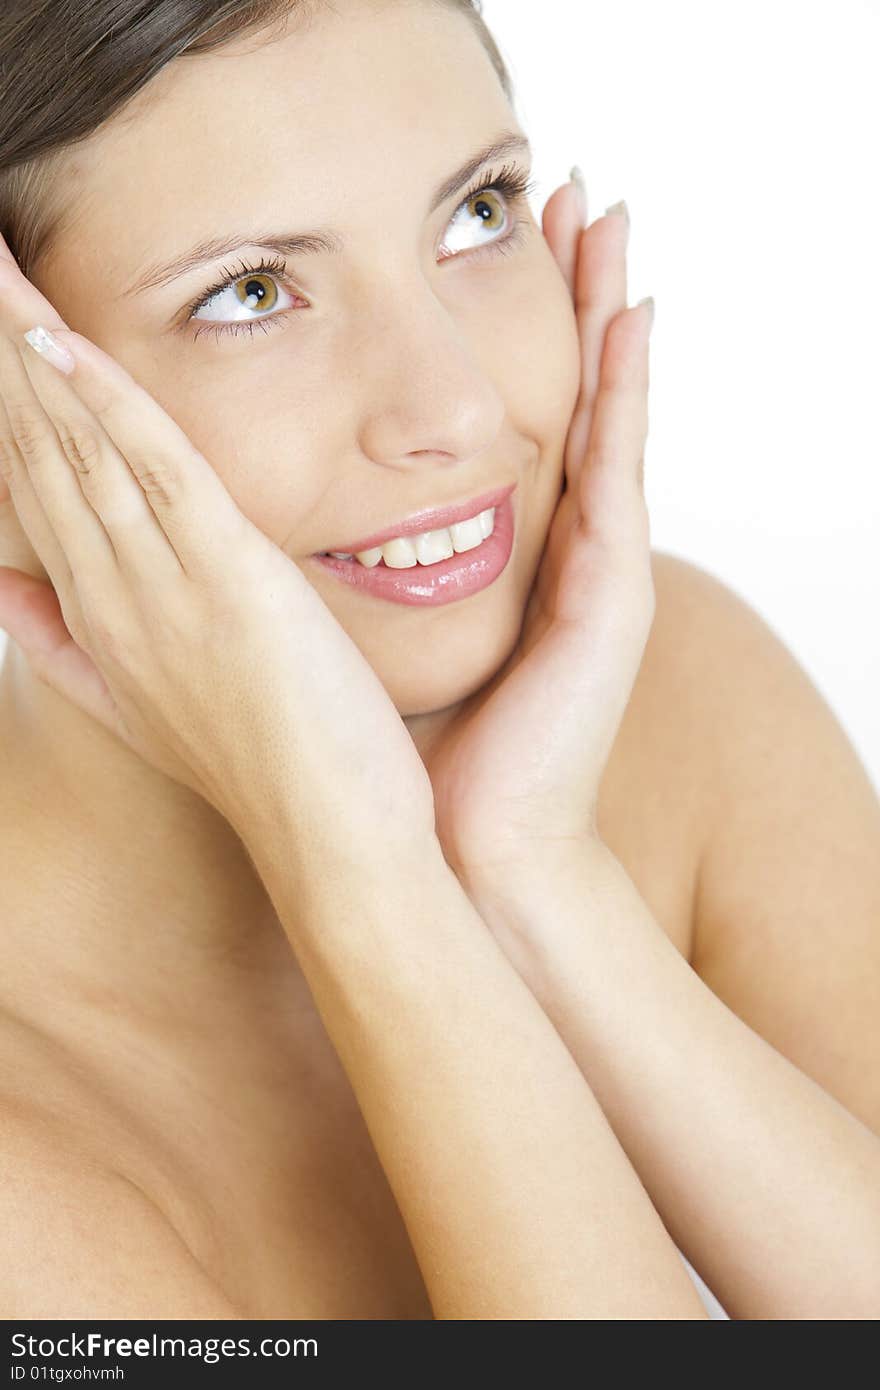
18, 494
563, 223
54, 445
94, 503
188, 501
31, 425
67, 535
195, 511
27, 506
600, 294
613, 509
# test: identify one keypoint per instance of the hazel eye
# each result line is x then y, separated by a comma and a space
481, 204
253, 292
239, 300
485, 208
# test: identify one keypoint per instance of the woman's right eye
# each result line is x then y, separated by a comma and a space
230, 305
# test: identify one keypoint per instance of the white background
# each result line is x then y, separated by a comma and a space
744, 139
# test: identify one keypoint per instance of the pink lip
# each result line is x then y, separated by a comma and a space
428, 521
447, 581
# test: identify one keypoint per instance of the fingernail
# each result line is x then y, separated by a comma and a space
619, 208
577, 179
42, 341
650, 302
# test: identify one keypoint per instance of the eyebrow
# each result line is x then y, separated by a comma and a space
324, 240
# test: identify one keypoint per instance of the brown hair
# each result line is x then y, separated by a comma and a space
65, 68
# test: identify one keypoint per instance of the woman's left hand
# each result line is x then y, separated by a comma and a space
518, 770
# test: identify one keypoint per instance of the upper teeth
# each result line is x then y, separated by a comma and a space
429, 546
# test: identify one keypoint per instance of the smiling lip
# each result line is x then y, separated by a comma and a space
447, 581
428, 521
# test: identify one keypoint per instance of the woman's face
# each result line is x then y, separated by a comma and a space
370, 383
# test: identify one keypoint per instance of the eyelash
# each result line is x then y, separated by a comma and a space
512, 183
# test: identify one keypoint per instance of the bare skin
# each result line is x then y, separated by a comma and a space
157, 1028
239, 1122
410, 436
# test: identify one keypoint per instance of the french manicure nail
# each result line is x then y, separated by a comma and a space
42, 341
577, 179
650, 302
619, 208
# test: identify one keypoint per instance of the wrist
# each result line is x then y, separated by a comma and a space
281, 832
354, 908
526, 900
530, 864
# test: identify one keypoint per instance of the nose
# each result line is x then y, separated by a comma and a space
427, 397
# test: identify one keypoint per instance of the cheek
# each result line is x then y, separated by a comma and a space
542, 367
539, 358
264, 460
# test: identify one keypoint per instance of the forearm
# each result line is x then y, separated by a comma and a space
517, 1196
768, 1185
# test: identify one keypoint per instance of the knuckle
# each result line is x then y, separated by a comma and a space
29, 428
157, 482
82, 449
8, 457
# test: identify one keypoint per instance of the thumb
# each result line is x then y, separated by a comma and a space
31, 614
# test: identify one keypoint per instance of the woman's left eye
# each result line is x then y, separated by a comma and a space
485, 204
253, 287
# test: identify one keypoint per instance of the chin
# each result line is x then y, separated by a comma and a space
427, 689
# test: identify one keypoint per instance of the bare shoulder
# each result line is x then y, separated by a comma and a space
775, 776
721, 705
82, 1241
785, 830
661, 772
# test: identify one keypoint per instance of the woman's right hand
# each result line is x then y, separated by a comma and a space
172, 619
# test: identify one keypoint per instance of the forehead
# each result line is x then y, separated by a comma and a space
281, 126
